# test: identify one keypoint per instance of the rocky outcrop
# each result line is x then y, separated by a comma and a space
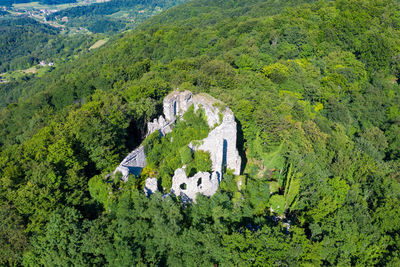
220, 143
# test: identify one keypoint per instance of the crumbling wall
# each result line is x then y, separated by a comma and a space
176, 103
221, 143
150, 186
204, 183
160, 125
132, 164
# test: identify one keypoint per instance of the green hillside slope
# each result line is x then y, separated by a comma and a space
17, 36
112, 16
24, 42
313, 85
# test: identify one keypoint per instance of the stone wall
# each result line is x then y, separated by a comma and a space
203, 183
176, 103
132, 164
221, 143
160, 125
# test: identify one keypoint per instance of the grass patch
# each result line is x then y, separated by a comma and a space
98, 44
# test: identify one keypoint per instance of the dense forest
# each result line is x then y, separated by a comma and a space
314, 88
19, 37
99, 17
24, 42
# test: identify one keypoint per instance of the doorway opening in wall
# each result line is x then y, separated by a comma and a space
175, 108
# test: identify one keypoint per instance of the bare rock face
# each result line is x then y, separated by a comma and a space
220, 143
132, 164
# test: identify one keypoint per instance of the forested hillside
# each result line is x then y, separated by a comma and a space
19, 37
28, 45
24, 42
114, 15
314, 88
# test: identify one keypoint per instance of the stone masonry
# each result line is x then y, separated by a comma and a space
132, 164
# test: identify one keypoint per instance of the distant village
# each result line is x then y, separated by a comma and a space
38, 14
41, 13
5, 77
41, 16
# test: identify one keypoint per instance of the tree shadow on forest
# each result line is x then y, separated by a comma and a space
137, 129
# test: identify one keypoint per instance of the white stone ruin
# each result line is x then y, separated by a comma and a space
220, 143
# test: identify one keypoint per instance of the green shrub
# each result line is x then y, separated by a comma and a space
278, 73
186, 155
277, 203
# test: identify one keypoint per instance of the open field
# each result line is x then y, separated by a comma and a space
98, 44
17, 74
37, 5
31, 70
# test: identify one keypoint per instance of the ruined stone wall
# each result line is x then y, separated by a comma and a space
176, 103
204, 183
220, 143
132, 164
160, 125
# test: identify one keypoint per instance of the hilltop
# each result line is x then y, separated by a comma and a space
201, 163
313, 86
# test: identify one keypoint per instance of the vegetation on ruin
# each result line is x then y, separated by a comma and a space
166, 154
